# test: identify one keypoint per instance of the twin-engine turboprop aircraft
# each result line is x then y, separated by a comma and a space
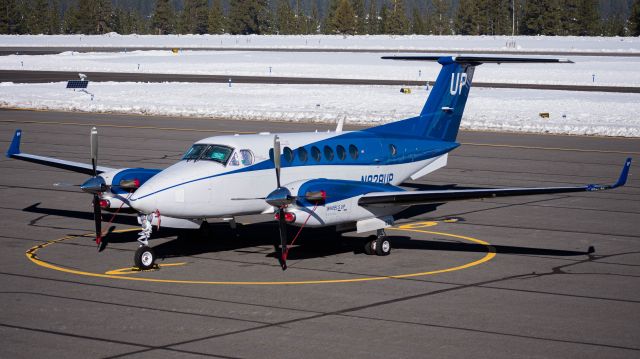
337, 179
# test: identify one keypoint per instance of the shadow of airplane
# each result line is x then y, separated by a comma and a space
88, 215
313, 242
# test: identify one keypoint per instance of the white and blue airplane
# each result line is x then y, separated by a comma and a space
343, 179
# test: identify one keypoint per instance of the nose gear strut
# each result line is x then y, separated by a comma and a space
146, 222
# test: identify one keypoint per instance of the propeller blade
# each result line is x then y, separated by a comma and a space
276, 157
97, 218
283, 238
94, 150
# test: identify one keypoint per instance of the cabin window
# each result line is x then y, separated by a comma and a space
302, 154
393, 150
315, 153
246, 157
328, 153
353, 152
341, 152
288, 154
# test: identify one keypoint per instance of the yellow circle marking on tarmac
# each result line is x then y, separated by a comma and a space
412, 227
134, 270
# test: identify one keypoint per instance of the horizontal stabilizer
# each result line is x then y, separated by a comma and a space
478, 59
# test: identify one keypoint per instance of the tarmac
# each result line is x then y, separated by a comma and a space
498, 278
28, 76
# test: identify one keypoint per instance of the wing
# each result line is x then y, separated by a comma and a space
408, 198
14, 152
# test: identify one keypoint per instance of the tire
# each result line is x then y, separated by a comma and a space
144, 258
369, 245
382, 246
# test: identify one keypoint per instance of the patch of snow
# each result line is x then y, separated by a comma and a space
577, 113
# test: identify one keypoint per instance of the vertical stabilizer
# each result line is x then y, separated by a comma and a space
442, 113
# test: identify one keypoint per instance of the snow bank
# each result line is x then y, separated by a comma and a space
577, 113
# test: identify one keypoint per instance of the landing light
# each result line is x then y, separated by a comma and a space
104, 204
288, 217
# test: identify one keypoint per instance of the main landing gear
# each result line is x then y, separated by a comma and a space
378, 245
145, 257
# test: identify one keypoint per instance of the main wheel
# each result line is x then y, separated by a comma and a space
144, 258
369, 245
382, 246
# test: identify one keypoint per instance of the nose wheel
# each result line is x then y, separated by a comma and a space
378, 245
144, 258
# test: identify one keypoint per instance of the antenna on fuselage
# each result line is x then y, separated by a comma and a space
340, 124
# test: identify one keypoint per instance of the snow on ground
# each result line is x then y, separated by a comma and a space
410, 42
487, 109
608, 71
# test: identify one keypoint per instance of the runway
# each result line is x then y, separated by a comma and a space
56, 76
540, 294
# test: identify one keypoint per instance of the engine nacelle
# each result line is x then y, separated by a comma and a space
325, 202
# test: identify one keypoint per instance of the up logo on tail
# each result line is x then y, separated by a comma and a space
458, 80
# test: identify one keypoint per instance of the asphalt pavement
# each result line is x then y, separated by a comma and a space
18, 76
499, 278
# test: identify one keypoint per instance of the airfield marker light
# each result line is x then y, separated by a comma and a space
229, 82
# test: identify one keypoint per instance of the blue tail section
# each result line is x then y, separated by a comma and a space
441, 115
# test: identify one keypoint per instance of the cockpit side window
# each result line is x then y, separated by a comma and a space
233, 161
246, 157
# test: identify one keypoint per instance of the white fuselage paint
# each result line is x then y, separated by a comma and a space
207, 189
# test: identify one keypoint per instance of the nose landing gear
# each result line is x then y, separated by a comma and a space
144, 258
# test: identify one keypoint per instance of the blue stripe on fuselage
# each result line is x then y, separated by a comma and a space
374, 150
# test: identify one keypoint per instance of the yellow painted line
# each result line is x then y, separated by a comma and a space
134, 270
413, 227
548, 148
123, 126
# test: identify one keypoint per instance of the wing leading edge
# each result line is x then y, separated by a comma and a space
408, 198
14, 152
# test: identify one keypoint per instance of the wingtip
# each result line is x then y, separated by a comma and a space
14, 148
624, 174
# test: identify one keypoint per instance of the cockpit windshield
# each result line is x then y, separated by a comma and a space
200, 151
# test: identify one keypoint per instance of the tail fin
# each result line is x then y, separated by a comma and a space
441, 115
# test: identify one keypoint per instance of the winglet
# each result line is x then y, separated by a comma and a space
14, 148
623, 175
621, 181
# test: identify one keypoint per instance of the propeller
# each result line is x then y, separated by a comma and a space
280, 198
96, 185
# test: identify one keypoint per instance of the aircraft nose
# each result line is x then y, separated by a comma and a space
143, 200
